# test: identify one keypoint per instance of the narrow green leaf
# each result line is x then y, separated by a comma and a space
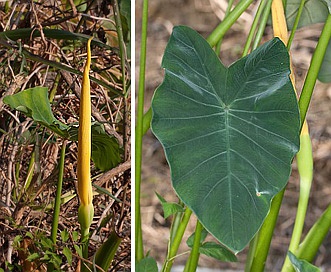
32, 257
229, 134
59, 34
105, 254
75, 236
47, 243
302, 265
67, 252
104, 191
79, 250
169, 208
147, 265
64, 235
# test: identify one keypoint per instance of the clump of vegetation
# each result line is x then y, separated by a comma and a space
42, 55
230, 134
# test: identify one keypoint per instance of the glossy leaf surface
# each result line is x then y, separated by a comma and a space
229, 134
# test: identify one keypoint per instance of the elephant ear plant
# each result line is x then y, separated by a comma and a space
230, 135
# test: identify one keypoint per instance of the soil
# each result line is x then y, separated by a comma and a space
203, 16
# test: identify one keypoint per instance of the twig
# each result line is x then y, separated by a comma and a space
113, 172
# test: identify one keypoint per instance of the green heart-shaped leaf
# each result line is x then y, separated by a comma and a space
229, 134
34, 103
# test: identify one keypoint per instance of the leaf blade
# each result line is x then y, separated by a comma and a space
217, 127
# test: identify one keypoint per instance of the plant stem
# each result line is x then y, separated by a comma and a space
194, 256
121, 42
176, 242
263, 23
253, 27
139, 134
219, 43
296, 23
57, 203
225, 25
123, 58
305, 168
258, 258
174, 226
310, 245
314, 68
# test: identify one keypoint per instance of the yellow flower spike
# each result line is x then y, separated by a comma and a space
280, 28
86, 210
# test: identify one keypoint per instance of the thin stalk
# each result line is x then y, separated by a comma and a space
30, 172
310, 245
253, 27
263, 23
54, 88
57, 204
139, 248
305, 168
225, 25
252, 249
228, 9
176, 242
296, 23
123, 58
314, 68
121, 43
174, 226
260, 251
194, 256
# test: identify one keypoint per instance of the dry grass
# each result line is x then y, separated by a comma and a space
30, 152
